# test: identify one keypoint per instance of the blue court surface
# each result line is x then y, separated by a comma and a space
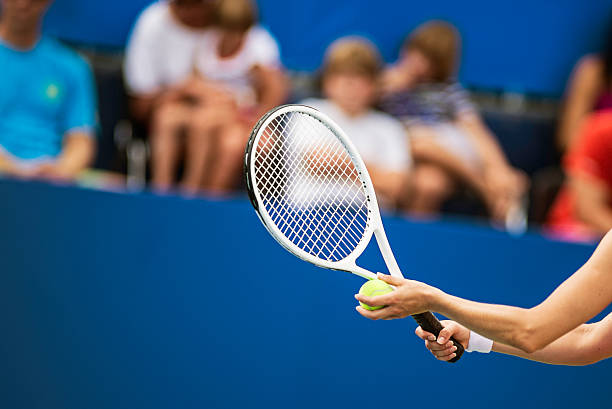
116, 300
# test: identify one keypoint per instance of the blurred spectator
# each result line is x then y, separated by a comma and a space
243, 59
166, 92
201, 71
450, 142
47, 103
589, 90
583, 209
350, 75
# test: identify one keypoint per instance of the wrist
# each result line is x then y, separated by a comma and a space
478, 343
67, 169
434, 299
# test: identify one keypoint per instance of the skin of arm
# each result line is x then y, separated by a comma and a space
505, 184
7, 165
142, 106
582, 91
582, 296
388, 184
272, 88
489, 150
592, 201
585, 345
425, 149
77, 154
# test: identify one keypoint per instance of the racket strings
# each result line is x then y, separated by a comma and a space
310, 187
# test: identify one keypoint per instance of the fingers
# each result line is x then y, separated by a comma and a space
446, 357
389, 279
444, 335
424, 335
434, 347
378, 301
382, 314
450, 328
444, 352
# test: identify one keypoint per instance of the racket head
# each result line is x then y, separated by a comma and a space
310, 187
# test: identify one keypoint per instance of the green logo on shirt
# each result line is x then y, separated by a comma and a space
52, 91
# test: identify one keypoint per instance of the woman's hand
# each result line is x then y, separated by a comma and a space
505, 187
442, 348
409, 298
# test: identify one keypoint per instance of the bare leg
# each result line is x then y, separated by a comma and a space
199, 145
431, 186
203, 155
168, 121
427, 150
226, 170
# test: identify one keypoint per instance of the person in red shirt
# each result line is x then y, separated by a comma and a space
583, 209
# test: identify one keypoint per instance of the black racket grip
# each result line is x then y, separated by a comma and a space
430, 323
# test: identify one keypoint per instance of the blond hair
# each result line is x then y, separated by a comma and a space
238, 15
440, 43
352, 55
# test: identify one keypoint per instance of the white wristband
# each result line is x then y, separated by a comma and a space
478, 343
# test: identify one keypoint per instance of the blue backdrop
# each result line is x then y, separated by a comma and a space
520, 46
134, 301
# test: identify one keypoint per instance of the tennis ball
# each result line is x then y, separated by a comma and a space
374, 288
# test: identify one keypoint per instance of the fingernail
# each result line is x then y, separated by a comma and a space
454, 349
431, 338
356, 296
453, 355
441, 341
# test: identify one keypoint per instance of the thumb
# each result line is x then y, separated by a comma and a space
395, 281
447, 332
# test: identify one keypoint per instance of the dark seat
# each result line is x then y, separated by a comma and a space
112, 109
527, 139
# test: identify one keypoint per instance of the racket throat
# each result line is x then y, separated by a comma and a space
385, 250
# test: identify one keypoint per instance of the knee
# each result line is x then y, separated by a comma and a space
233, 141
202, 122
167, 117
209, 119
432, 184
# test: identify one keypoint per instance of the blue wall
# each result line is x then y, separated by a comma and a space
521, 46
120, 301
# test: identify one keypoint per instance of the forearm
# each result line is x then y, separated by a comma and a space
568, 350
387, 184
76, 155
582, 296
504, 324
6, 165
429, 151
485, 143
272, 89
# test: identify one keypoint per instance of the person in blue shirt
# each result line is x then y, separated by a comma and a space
47, 99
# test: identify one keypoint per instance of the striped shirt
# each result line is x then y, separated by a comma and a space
428, 103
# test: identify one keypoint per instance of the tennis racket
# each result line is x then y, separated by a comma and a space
313, 193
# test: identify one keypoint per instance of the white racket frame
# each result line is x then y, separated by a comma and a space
374, 224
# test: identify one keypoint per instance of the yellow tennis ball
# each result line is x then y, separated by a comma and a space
374, 288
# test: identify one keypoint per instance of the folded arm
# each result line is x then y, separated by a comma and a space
76, 155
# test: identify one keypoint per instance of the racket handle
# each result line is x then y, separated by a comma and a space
430, 323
